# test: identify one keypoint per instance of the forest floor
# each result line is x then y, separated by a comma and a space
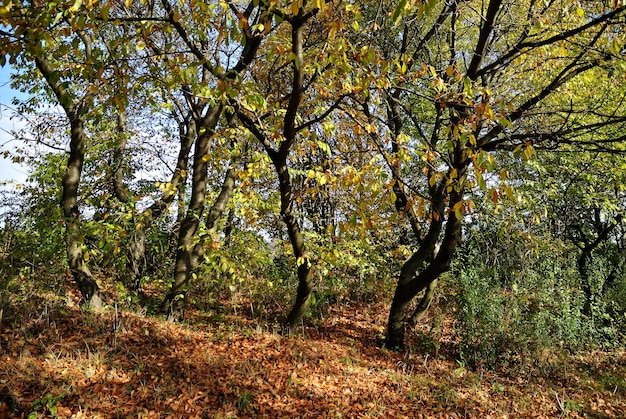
63, 361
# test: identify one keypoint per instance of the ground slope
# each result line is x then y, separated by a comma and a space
66, 362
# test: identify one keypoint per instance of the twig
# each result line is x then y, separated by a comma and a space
559, 402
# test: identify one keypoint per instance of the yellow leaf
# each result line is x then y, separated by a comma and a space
6, 7
457, 213
76, 5
128, 3
104, 12
450, 71
489, 111
528, 152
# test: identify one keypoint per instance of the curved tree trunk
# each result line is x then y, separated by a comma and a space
421, 270
418, 273
173, 303
85, 281
303, 263
305, 281
279, 160
412, 282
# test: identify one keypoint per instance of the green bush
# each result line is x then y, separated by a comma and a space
538, 307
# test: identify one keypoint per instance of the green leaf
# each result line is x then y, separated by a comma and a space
467, 86
615, 47
397, 13
482, 184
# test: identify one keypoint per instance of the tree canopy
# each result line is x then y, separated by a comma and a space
321, 142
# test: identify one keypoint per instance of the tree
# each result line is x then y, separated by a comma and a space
212, 78
468, 87
33, 32
277, 111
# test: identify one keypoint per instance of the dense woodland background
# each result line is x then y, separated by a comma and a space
445, 179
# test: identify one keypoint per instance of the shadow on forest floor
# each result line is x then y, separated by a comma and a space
67, 362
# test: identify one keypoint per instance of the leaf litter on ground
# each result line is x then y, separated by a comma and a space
73, 363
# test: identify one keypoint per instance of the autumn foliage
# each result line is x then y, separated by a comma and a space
284, 208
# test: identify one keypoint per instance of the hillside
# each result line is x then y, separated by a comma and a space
66, 362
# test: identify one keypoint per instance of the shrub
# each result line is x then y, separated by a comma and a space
538, 307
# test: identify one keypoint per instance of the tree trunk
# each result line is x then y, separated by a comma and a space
421, 269
137, 246
85, 282
583, 260
423, 305
279, 160
75, 255
117, 161
173, 303
412, 282
214, 215
198, 252
586, 257
305, 282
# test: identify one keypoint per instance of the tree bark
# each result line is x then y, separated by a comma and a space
87, 285
173, 303
75, 255
228, 185
423, 304
117, 162
137, 246
411, 282
305, 282
421, 269
603, 231
279, 161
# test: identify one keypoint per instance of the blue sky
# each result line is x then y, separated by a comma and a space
8, 170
